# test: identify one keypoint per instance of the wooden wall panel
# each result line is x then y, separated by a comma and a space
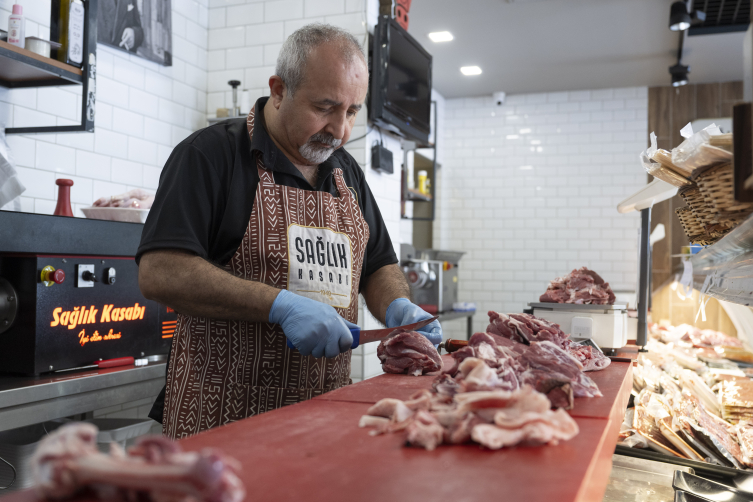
669, 109
708, 101
731, 93
683, 110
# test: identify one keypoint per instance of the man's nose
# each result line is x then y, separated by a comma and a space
337, 125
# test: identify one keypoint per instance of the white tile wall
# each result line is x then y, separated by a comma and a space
245, 38
530, 189
143, 111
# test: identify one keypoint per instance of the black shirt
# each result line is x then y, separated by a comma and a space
208, 185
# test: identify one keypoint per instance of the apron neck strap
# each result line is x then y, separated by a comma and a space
265, 174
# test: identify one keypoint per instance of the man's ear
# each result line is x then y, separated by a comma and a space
277, 91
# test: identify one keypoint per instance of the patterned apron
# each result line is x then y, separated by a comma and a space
311, 243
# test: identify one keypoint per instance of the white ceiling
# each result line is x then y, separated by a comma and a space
526, 46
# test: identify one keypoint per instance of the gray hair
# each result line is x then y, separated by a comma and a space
291, 63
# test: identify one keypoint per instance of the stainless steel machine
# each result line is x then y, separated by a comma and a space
432, 275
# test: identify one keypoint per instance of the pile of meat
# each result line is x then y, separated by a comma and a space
500, 389
710, 338
524, 349
410, 353
581, 286
494, 418
67, 462
136, 198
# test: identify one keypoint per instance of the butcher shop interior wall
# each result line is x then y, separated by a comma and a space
530, 189
143, 110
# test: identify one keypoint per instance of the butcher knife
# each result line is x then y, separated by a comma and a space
107, 363
377, 335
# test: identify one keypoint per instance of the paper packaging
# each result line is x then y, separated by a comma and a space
10, 186
656, 162
696, 152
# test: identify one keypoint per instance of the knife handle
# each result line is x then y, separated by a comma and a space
451, 345
356, 332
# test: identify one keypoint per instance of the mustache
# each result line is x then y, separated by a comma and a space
325, 139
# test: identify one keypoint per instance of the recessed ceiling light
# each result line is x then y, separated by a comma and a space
440, 36
526, 168
512, 136
525, 131
470, 70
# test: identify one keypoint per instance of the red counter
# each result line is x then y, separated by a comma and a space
314, 451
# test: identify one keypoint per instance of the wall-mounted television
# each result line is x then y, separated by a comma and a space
400, 82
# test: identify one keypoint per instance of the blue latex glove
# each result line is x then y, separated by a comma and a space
403, 311
314, 328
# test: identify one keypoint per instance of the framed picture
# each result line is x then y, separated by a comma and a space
141, 27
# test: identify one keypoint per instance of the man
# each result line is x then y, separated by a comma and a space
119, 24
264, 230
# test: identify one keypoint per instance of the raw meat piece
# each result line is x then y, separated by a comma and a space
711, 338
525, 328
557, 387
445, 385
136, 198
493, 418
394, 409
421, 400
67, 461
474, 401
425, 431
560, 365
506, 327
460, 431
591, 359
370, 421
581, 286
719, 430
555, 296
745, 438
548, 427
410, 353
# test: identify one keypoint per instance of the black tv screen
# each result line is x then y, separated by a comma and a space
401, 82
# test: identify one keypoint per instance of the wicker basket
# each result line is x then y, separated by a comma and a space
695, 231
697, 203
717, 187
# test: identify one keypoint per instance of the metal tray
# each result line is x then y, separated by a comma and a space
703, 469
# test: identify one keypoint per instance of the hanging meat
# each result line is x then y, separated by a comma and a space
410, 353
581, 286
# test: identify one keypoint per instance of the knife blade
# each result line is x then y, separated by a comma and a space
377, 335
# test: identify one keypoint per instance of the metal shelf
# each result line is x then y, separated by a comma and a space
23, 68
413, 194
729, 262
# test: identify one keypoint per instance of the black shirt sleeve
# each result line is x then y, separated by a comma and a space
186, 205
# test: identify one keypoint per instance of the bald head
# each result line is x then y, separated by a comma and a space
293, 61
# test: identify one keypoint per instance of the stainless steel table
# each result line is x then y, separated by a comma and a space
30, 400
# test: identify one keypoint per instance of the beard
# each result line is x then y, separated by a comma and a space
314, 150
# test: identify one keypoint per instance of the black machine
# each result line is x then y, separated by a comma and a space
69, 295
400, 82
